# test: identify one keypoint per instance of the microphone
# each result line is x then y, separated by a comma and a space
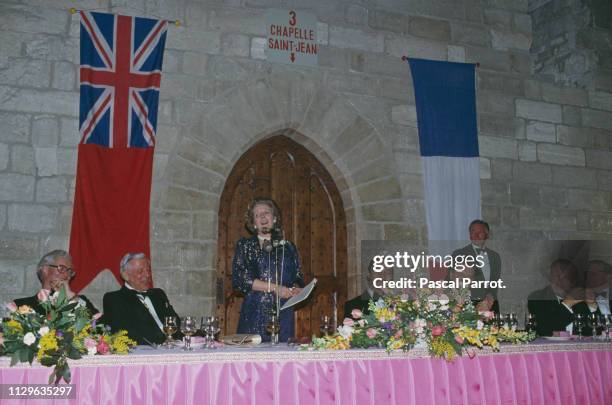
267, 245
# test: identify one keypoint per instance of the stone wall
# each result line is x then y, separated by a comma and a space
546, 164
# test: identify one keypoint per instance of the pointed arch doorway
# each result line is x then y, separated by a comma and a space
313, 218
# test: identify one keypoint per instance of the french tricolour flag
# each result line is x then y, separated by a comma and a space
448, 136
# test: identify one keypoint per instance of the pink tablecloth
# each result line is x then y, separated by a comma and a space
360, 377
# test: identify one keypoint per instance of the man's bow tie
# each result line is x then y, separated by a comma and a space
144, 294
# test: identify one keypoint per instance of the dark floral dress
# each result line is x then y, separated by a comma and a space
250, 263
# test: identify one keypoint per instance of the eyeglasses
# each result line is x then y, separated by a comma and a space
62, 269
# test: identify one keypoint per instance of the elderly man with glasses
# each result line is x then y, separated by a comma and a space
54, 271
136, 307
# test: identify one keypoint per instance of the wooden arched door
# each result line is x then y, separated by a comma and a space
313, 218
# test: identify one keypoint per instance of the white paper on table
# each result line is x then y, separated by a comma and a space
301, 296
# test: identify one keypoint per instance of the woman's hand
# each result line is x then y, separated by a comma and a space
288, 292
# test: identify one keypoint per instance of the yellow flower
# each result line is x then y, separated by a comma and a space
13, 324
121, 343
384, 315
442, 348
47, 343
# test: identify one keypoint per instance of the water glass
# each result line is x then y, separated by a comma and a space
188, 327
169, 329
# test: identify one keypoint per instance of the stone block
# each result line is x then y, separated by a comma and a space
383, 20
599, 159
235, 45
202, 156
537, 110
38, 101
456, 53
470, 34
574, 177
494, 193
589, 200
40, 19
400, 232
488, 58
376, 170
19, 247
205, 225
572, 115
238, 20
66, 161
356, 39
16, 187
322, 33
501, 169
491, 215
194, 63
186, 255
196, 14
356, 15
46, 161
541, 132
495, 147
527, 151
65, 76
500, 125
12, 278
499, 82
510, 217
525, 172
201, 283
498, 19
597, 119
495, 103
379, 190
601, 223
415, 47
171, 225
4, 156
31, 218
14, 128
69, 132
564, 95
525, 195
561, 155
172, 61
430, 28
412, 185
604, 180
45, 132
183, 173
554, 197
396, 89
2, 216
503, 40
485, 168
404, 115
186, 39
388, 212
258, 46
22, 159
600, 100
51, 190
52, 48
547, 219
25, 72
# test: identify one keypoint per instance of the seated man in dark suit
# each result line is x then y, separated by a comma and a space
485, 299
135, 307
362, 302
597, 287
556, 305
55, 270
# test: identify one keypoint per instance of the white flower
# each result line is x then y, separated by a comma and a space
479, 324
432, 306
419, 325
443, 300
29, 338
345, 331
92, 350
43, 331
380, 304
404, 297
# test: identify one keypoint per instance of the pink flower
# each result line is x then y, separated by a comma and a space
459, 339
471, 352
91, 346
1, 339
399, 334
103, 347
11, 306
371, 333
43, 295
356, 313
97, 316
487, 314
437, 330
348, 322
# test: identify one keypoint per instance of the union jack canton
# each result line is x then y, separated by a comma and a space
121, 62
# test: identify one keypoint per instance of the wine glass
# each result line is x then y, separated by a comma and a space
211, 328
593, 322
273, 328
608, 326
578, 325
188, 327
512, 321
325, 325
531, 323
169, 329
498, 321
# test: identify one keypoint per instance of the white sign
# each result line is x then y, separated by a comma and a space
292, 37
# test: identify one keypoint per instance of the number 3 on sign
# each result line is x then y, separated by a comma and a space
292, 20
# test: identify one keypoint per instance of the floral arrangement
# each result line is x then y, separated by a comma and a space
67, 331
446, 323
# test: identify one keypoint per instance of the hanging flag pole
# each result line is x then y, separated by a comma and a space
175, 22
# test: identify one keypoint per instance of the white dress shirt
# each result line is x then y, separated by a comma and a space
148, 304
